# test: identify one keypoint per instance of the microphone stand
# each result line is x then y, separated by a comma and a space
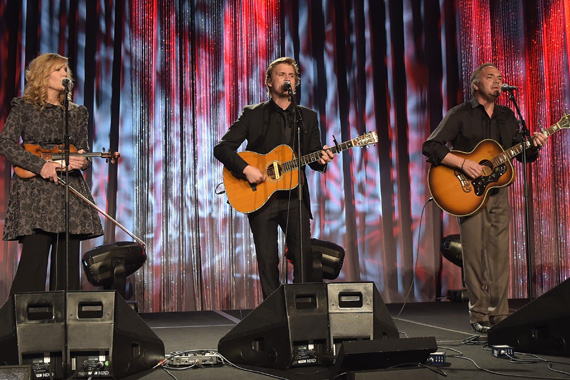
525, 134
66, 149
297, 127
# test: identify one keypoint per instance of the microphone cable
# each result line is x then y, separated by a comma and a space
417, 258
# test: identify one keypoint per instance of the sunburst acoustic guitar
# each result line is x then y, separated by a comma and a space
458, 195
280, 167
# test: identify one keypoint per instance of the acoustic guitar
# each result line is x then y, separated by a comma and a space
458, 195
56, 154
280, 168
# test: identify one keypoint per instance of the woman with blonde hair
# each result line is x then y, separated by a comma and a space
36, 209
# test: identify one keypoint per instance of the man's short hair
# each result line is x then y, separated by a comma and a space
476, 76
278, 61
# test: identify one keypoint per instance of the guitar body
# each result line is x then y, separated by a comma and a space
280, 167
459, 195
247, 198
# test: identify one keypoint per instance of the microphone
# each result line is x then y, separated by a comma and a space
287, 86
505, 87
67, 84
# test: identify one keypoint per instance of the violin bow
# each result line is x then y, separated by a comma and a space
82, 197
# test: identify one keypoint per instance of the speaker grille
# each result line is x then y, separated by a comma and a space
17, 373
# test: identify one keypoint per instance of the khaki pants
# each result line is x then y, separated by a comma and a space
485, 246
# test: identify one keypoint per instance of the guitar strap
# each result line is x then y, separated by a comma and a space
505, 143
266, 117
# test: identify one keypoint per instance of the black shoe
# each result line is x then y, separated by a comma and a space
495, 321
481, 327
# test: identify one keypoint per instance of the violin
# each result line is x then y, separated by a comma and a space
57, 154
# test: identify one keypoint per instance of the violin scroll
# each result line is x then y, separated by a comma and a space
113, 156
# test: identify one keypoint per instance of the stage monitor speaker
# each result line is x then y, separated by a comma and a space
107, 336
539, 327
32, 332
8, 336
357, 312
330, 256
101, 335
382, 353
17, 372
291, 327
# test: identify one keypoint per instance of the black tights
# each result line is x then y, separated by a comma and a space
32, 268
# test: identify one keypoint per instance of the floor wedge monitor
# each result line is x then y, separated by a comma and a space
539, 327
357, 312
32, 332
289, 328
106, 335
77, 335
300, 324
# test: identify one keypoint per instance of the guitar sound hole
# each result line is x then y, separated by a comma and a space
489, 176
488, 167
274, 171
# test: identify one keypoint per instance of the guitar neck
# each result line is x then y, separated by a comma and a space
315, 156
512, 152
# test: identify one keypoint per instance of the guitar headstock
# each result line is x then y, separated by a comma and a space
369, 138
564, 121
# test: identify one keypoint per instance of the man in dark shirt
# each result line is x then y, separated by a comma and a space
265, 126
485, 234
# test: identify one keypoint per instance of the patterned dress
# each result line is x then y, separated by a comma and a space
36, 203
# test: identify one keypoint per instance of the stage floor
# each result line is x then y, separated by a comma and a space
468, 356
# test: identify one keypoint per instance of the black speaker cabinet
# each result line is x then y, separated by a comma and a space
330, 257
381, 353
32, 332
105, 335
17, 372
541, 326
291, 327
357, 312
100, 335
285, 330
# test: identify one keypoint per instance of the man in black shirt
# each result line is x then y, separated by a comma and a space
265, 126
485, 234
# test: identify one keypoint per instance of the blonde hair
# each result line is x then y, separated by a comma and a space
37, 75
278, 61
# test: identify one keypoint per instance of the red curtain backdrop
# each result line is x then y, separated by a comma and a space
163, 80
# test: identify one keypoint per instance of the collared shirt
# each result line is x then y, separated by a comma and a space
465, 125
282, 119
